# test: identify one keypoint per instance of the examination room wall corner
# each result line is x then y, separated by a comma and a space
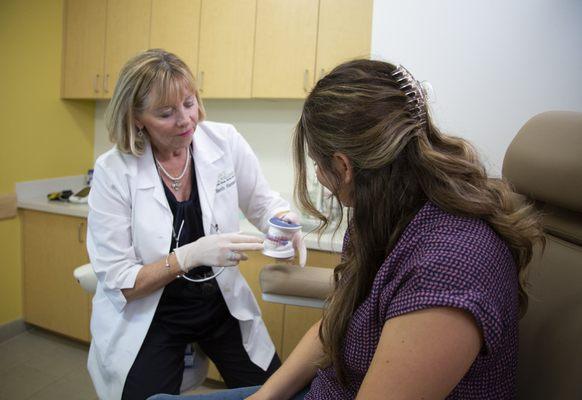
42, 136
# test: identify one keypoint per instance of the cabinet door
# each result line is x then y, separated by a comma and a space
53, 246
174, 27
299, 319
83, 48
226, 48
128, 30
344, 32
285, 44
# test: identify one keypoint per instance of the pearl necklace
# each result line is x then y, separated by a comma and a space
176, 184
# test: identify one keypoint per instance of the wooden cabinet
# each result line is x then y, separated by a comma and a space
285, 44
175, 27
298, 42
344, 32
297, 321
286, 324
272, 313
99, 37
240, 48
128, 30
227, 35
83, 48
52, 247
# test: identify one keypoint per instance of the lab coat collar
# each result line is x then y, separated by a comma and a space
204, 148
207, 156
148, 177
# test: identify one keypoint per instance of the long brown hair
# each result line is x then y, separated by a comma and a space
398, 164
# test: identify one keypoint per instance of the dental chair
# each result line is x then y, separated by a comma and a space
195, 360
544, 163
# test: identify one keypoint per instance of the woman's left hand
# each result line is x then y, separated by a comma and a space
298, 242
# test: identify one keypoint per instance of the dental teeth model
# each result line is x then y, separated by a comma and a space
279, 240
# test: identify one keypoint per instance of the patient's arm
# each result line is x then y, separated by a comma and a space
422, 355
296, 372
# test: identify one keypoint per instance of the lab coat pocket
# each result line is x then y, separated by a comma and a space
237, 295
245, 307
151, 227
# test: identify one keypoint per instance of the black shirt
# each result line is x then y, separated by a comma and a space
185, 305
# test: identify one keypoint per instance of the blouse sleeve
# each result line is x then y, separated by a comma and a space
457, 270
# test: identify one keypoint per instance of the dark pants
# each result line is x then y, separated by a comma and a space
159, 365
232, 394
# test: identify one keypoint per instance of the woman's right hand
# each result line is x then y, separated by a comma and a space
224, 250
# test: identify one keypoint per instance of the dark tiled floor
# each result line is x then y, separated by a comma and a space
38, 365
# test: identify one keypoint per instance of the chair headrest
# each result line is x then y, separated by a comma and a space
544, 160
544, 163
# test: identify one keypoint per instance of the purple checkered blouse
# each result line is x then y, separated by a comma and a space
441, 260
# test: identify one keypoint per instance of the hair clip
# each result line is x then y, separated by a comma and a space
416, 103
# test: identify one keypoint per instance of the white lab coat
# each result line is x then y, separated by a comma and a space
130, 224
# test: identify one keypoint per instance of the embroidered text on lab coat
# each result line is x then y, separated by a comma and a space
225, 180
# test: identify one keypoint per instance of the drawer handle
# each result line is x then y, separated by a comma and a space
201, 81
80, 233
106, 83
96, 83
305, 80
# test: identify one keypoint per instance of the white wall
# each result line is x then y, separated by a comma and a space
493, 64
267, 126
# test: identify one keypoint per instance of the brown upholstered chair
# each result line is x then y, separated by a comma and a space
544, 163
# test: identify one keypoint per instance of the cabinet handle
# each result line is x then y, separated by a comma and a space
305, 79
80, 233
106, 83
201, 81
96, 83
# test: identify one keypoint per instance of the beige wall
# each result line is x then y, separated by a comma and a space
41, 135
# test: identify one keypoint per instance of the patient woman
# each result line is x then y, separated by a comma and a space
431, 285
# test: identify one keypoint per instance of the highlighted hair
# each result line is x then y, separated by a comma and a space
359, 109
152, 71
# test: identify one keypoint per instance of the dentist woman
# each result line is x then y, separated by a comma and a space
162, 225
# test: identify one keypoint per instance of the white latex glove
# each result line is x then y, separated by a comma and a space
298, 242
224, 250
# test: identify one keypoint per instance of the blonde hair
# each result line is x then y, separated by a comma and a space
360, 110
154, 70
